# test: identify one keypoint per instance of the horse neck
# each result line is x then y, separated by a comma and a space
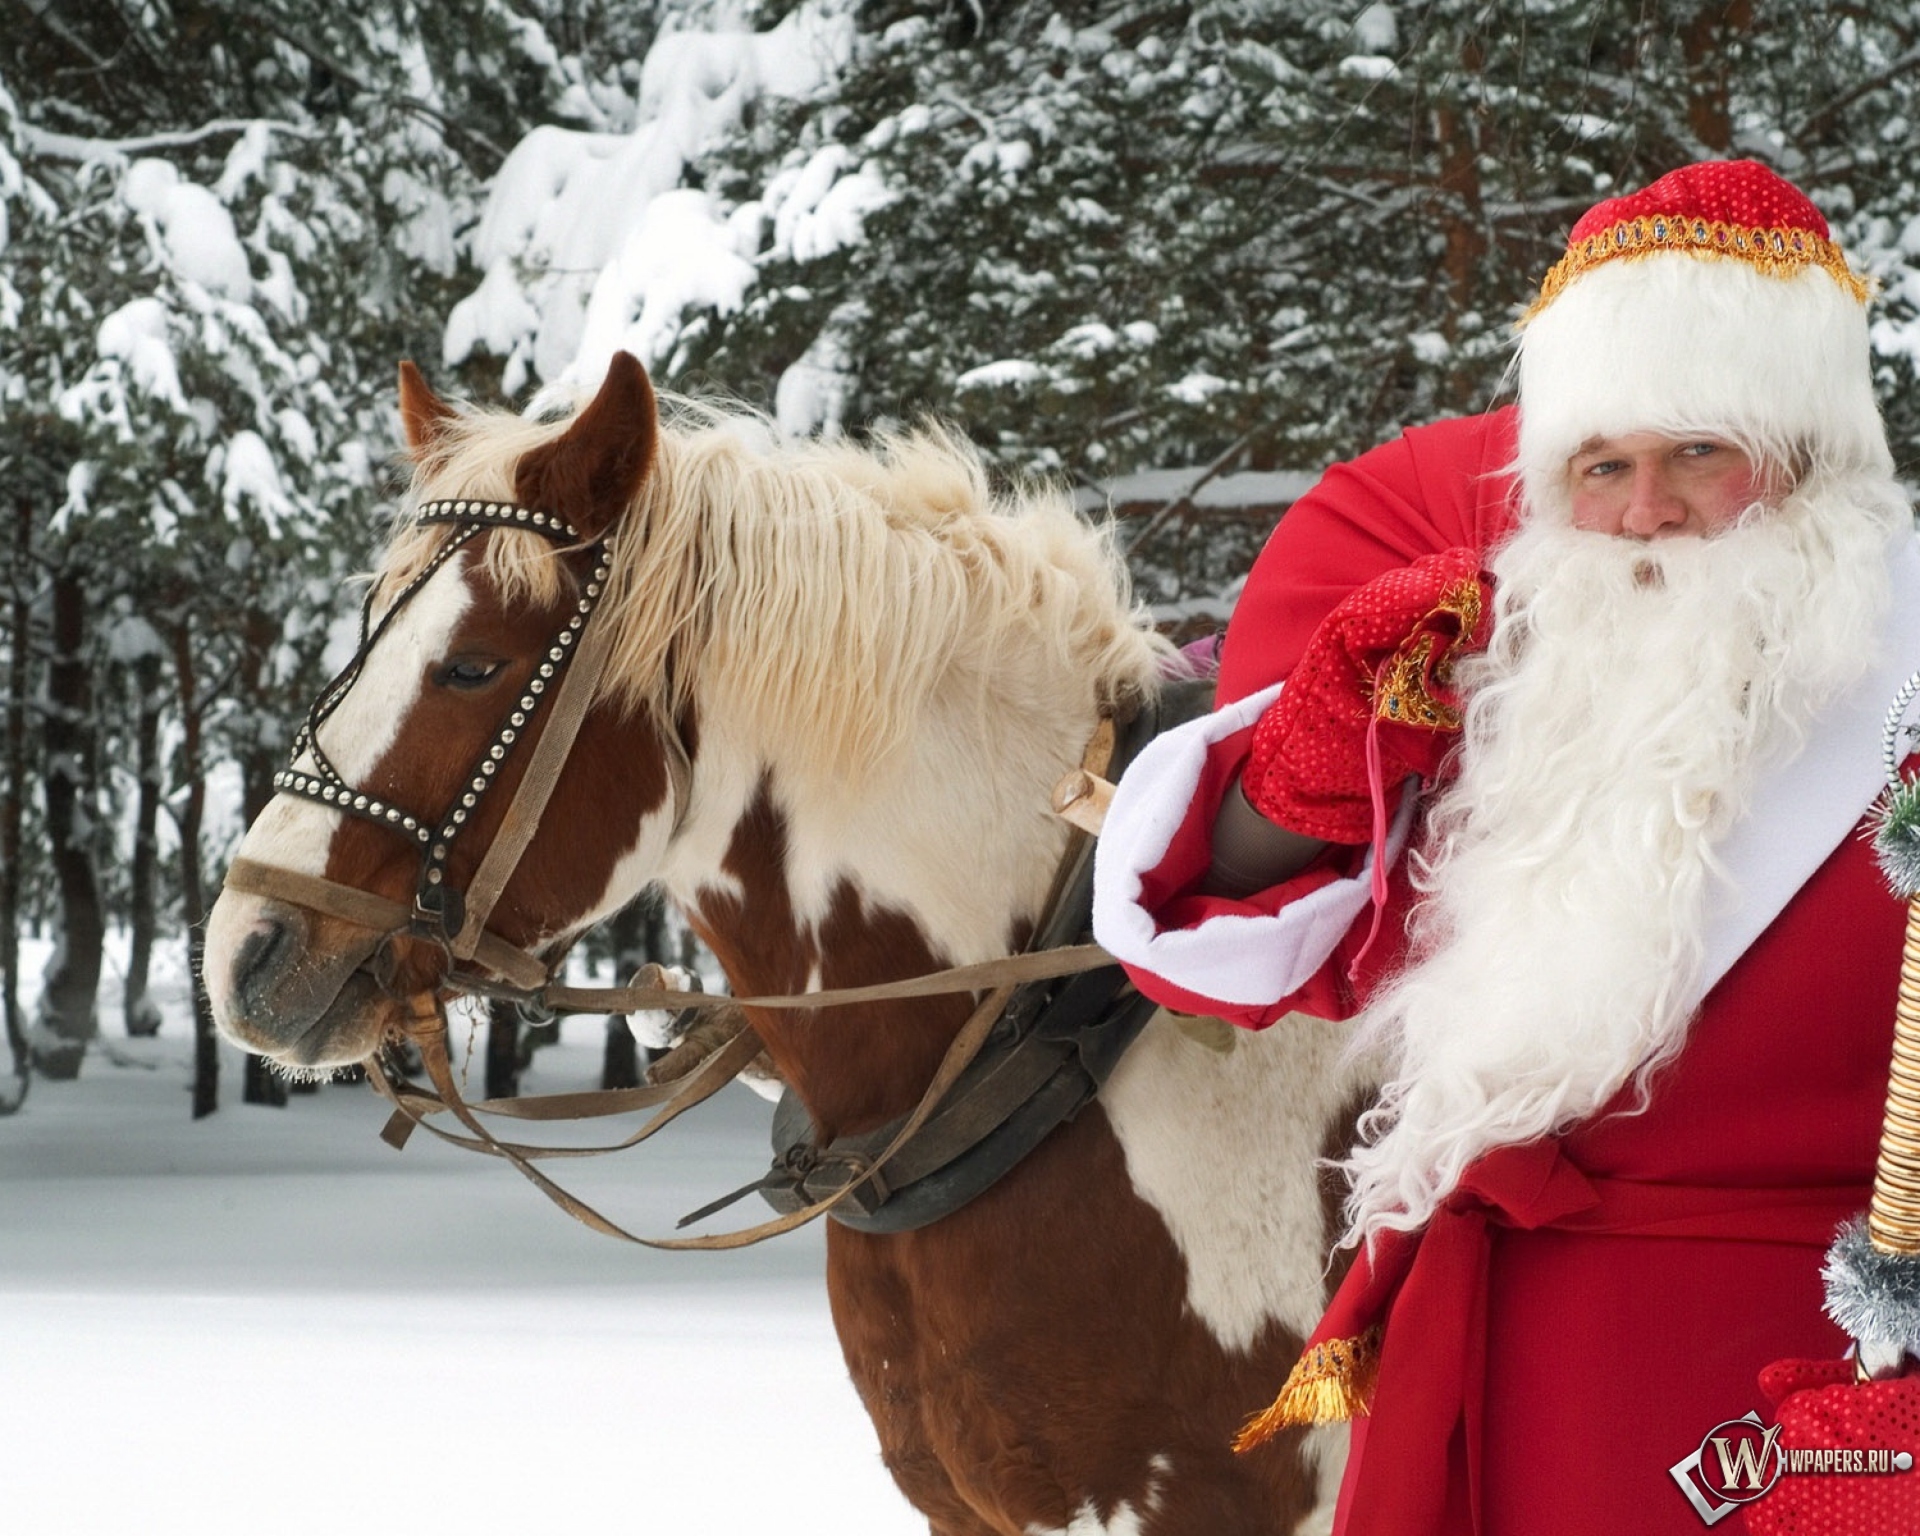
801, 880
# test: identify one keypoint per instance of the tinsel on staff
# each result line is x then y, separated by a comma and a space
1873, 1268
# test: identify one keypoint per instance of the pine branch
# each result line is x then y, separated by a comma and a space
453, 129
44, 15
68, 146
1908, 61
1185, 499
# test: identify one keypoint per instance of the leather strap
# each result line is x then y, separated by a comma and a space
566, 711
528, 979
644, 993
429, 1033
412, 1104
366, 910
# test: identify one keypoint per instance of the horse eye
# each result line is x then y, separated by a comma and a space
467, 672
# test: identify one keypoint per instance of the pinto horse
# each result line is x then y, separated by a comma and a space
842, 681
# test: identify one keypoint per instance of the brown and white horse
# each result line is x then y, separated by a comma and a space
876, 671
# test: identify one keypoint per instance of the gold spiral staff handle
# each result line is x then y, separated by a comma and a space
1872, 1270
1893, 1219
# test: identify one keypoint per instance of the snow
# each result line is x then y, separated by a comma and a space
246, 161
268, 1320
820, 208
131, 638
197, 231
1010, 372
1088, 340
297, 434
591, 242
813, 391
1376, 30
136, 333
496, 316
1197, 388
1243, 489
248, 473
81, 477
1363, 66
682, 256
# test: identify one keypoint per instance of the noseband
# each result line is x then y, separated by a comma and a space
564, 684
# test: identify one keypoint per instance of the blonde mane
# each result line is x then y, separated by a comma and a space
857, 579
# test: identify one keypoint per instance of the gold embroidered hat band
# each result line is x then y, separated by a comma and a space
1735, 210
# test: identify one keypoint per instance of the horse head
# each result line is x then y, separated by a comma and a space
883, 666
416, 755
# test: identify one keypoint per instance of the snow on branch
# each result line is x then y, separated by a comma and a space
67, 146
595, 242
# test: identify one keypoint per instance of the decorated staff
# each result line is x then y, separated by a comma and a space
1870, 1404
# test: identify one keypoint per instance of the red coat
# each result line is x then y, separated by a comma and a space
1554, 1344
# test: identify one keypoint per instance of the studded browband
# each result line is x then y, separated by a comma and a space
440, 911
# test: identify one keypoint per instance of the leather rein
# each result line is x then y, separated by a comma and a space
482, 963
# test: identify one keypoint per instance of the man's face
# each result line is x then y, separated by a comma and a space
1641, 485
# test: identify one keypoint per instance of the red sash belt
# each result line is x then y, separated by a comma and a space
1429, 1288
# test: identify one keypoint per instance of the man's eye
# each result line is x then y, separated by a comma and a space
467, 672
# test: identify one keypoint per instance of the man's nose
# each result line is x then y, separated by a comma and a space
1652, 506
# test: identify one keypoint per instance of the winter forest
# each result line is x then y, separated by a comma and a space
1175, 254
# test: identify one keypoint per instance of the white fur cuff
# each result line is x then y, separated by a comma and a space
1249, 961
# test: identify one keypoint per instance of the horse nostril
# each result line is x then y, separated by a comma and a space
261, 955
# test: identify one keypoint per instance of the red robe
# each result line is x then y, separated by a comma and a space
1553, 1348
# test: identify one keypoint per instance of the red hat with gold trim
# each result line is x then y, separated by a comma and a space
1714, 302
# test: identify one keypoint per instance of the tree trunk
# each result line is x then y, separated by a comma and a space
206, 1049
259, 1083
142, 1017
12, 795
627, 929
1710, 70
620, 1064
1457, 133
68, 1017
638, 934
258, 760
1464, 218
503, 1050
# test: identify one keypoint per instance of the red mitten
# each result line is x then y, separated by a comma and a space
1820, 1408
1371, 701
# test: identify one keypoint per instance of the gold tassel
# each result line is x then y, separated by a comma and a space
1329, 1384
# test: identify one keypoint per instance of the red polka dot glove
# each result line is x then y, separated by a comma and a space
1372, 701
1843, 1443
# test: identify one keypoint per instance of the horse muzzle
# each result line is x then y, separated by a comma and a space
301, 988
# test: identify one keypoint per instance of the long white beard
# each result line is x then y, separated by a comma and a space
1614, 731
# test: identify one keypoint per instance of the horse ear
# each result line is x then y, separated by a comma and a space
591, 473
424, 416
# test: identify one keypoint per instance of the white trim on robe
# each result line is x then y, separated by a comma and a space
1248, 961
1806, 807
1802, 810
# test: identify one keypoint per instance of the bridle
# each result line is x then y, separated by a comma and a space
563, 686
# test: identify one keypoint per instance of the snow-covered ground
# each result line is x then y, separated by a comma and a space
270, 1323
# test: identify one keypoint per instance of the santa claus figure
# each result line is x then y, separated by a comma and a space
1544, 744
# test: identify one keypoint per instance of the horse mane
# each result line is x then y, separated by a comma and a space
762, 565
